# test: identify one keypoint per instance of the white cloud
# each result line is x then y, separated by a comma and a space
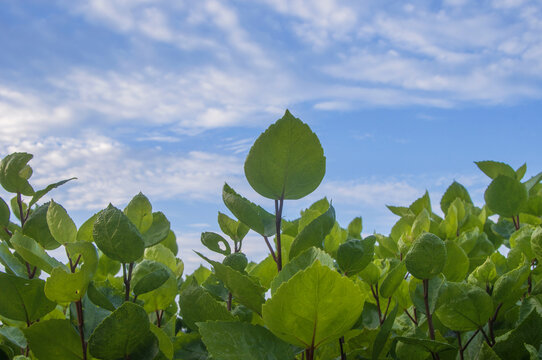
109, 171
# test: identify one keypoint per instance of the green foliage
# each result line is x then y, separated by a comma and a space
434, 287
286, 161
427, 256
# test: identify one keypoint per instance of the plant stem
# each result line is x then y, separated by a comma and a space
458, 334
23, 218
375, 295
491, 322
80, 325
427, 310
229, 301
278, 218
270, 249
341, 342
127, 279
159, 316
488, 341
411, 318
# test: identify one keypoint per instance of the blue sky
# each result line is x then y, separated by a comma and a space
166, 97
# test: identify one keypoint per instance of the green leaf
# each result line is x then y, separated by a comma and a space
54, 339
158, 230
393, 279
198, 306
505, 196
286, 161
33, 253
4, 213
536, 242
399, 210
265, 271
41, 193
237, 261
14, 335
509, 286
314, 233
37, 228
14, 173
484, 275
139, 211
520, 172
529, 184
430, 346
457, 262
510, 345
417, 293
421, 203
164, 342
170, 242
242, 341
454, 191
316, 306
125, 332
85, 231
427, 256
63, 287
213, 240
236, 230
301, 262
61, 226
383, 334
117, 237
354, 255
487, 353
23, 299
250, 214
148, 276
493, 169
11, 262
163, 296
463, 307
355, 227
163, 255
243, 288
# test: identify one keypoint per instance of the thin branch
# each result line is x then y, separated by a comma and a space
458, 334
411, 318
278, 218
270, 248
427, 310
488, 341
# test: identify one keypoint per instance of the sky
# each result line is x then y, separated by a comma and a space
166, 97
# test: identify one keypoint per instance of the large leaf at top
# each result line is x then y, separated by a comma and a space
14, 173
23, 299
37, 228
125, 332
242, 341
505, 196
243, 288
54, 339
197, 306
250, 214
139, 211
463, 307
454, 191
314, 233
495, 168
286, 161
315, 306
117, 237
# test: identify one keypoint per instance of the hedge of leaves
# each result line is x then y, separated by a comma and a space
434, 288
